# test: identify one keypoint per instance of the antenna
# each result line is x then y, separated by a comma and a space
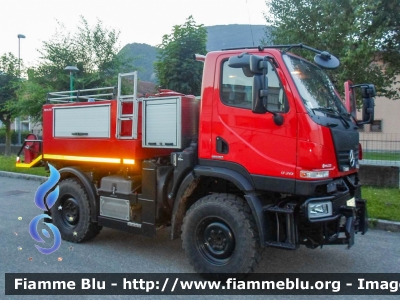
251, 29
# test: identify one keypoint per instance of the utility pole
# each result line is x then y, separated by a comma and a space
72, 70
20, 36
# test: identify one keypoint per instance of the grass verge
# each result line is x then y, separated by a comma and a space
7, 163
381, 155
383, 203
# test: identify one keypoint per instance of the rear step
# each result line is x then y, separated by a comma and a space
32, 152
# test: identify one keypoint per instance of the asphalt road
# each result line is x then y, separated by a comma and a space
119, 252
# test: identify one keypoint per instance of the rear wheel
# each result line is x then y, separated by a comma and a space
220, 236
71, 212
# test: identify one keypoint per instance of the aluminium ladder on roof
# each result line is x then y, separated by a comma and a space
130, 98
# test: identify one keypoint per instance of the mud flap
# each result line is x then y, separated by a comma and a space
350, 232
362, 216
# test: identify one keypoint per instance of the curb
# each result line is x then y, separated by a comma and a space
23, 176
391, 226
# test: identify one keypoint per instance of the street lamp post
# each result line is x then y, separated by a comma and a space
72, 70
20, 36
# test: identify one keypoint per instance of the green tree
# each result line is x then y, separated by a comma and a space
94, 50
175, 67
9, 82
364, 34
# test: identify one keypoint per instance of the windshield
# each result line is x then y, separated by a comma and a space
316, 90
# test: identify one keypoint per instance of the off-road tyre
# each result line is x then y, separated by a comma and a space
219, 235
71, 212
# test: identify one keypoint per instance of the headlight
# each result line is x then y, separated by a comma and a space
319, 209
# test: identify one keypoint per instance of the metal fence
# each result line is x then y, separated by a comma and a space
380, 148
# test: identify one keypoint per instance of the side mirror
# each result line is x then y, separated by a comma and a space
367, 92
260, 92
368, 110
251, 64
258, 64
239, 61
258, 106
326, 60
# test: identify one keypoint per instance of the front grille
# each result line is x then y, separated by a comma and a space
344, 159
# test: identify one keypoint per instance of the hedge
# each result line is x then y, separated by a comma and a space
14, 136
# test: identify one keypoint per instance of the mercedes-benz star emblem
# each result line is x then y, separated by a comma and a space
352, 160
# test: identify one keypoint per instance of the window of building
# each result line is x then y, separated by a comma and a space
376, 126
237, 89
361, 128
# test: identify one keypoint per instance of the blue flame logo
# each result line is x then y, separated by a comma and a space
45, 197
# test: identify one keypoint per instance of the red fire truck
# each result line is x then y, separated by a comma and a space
267, 157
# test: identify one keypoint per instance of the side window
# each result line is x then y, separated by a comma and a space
277, 100
237, 89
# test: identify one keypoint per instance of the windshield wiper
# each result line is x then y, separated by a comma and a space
325, 109
334, 112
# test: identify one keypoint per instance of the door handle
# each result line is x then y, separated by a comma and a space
222, 146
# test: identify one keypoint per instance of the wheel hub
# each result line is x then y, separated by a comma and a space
70, 212
215, 241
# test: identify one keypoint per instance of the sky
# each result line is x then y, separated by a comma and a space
139, 21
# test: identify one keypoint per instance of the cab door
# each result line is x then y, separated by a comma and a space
254, 141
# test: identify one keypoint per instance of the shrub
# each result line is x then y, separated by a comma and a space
14, 136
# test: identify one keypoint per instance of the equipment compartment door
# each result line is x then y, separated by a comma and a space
88, 121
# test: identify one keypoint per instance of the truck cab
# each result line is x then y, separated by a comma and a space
267, 157
290, 136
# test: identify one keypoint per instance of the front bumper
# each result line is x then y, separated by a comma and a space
340, 226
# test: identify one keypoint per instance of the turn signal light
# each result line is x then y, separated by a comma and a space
314, 174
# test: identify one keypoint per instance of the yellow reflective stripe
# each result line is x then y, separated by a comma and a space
31, 164
83, 158
128, 161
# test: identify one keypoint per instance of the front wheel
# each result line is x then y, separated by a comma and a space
71, 212
219, 235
